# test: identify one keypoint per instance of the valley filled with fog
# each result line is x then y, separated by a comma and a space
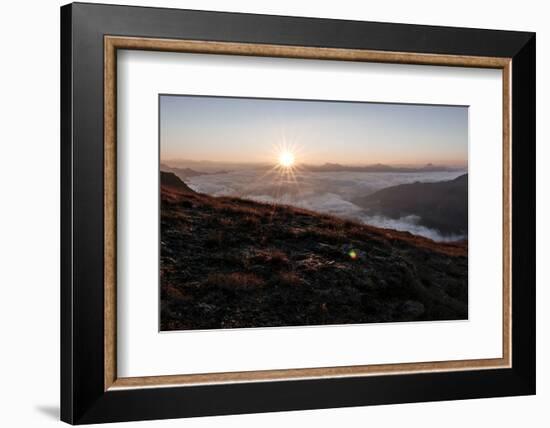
333, 193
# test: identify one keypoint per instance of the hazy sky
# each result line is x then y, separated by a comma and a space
254, 130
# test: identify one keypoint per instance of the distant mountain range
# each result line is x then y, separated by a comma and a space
186, 169
335, 167
184, 173
442, 205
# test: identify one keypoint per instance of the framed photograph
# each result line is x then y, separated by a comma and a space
265, 213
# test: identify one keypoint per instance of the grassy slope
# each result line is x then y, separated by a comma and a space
228, 262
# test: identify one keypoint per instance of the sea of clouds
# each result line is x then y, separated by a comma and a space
324, 192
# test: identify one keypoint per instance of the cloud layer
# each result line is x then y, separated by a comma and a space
327, 192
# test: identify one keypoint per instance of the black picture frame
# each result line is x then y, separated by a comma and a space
83, 396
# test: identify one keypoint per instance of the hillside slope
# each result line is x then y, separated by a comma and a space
234, 263
170, 181
442, 205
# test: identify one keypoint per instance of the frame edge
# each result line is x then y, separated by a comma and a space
81, 400
524, 215
66, 315
113, 43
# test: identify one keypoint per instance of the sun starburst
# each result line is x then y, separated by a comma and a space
286, 159
281, 180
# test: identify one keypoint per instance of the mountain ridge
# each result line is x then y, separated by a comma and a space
441, 205
184, 173
378, 167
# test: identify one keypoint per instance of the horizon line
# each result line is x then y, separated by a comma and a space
259, 162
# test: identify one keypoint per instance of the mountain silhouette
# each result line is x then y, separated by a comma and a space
169, 180
441, 205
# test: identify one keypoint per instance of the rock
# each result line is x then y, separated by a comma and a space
411, 309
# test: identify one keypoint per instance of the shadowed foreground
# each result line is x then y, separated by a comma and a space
234, 263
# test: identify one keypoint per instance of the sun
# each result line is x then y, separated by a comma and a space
286, 159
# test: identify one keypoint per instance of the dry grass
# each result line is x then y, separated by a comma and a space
290, 279
235, 281
271, 256
170, 292
225, 222
252, 221
331, 228
214, 239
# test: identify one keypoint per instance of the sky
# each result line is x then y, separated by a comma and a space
228, 129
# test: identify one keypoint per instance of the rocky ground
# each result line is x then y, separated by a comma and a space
234, 263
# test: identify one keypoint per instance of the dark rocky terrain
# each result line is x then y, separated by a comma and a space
442, 205
233, 263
